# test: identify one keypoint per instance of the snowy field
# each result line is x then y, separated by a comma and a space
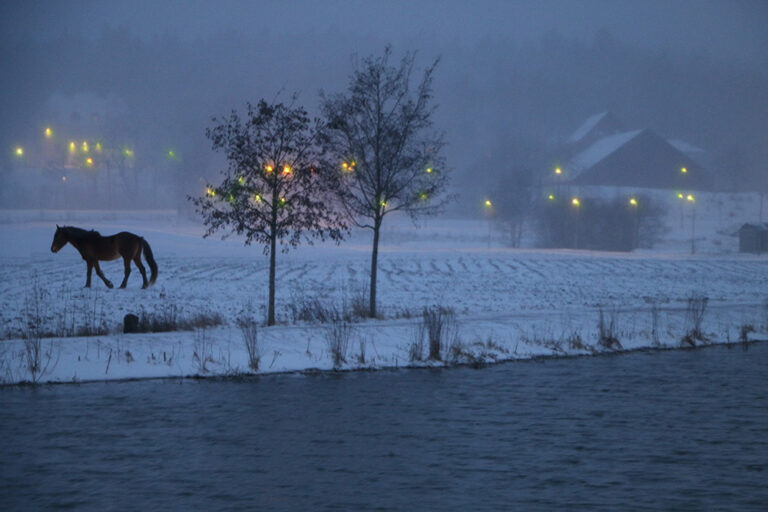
508, 303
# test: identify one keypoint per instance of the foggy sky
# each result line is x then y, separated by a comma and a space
515, 78
727, 29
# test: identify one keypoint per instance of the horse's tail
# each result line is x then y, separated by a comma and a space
151, 261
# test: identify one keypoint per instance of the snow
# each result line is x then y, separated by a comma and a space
509, 303
586, 127
684, 147
598, 150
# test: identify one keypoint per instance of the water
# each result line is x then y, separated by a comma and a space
675, 430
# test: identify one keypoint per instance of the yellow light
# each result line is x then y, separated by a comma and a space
19, 151
128, 152
268, 168
89, 162
633, 201
171, 153
85, 146
352, 163
690, 198
240, 180
488, 203
98, 147
344, 165
684, 170
282, 200
287, 169
429, 170
72, 147
551, 197
210, 192
257, 198
423, 195
558, 171
48, 132
383, 203
575, 201
679, 195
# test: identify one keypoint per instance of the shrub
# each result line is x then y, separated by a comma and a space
606, 331
441, 330
697, 306
337, 336
249, 330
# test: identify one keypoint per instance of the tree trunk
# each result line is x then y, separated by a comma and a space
271, 306
374, 266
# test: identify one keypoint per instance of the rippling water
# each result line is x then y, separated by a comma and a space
675, 430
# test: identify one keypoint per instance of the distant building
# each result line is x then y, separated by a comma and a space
601, 152
753, 237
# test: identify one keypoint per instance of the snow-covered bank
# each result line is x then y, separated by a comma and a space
509, 304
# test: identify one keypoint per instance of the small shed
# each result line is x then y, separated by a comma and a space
753, 237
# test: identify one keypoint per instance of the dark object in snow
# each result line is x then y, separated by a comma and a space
94, 248
753, 237
130, 323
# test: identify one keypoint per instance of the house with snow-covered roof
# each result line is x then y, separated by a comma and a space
599, 154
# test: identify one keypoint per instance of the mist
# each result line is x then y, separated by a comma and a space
514, 80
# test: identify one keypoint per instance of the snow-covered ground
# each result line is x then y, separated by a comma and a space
509, 303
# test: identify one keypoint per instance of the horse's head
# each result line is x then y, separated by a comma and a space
59, 239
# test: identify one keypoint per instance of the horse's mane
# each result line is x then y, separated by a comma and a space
79, 233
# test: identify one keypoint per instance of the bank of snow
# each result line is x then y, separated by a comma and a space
509, 304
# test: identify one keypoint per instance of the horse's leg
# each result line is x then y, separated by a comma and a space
101, 275
137, 261
88, 274
127, 264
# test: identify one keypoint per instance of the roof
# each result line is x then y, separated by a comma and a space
586, 127
684, 147
599, 150
759, 226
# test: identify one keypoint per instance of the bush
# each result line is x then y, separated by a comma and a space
599, 225
697, 306
249, 330
439, 326
607, 332
337, 336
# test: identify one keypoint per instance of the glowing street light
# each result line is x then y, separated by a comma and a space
632, 201
690, 198
551, 197
423, 196
488, 203
72, 146
684, 170
287, 169
89, 162
171, 154
85, 146
257, 198
429, 170
19, 151
48, 132
128, 153
210, 192
558, 170
575, 202
268, 168
98, 147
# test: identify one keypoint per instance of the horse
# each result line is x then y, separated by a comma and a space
94, 248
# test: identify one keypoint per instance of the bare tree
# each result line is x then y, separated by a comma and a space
277, 187
388, 156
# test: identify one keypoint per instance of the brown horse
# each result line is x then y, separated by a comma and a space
94, 248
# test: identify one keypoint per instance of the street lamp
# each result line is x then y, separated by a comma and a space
691, 199
19, 151
488, 204
576, 204
636, 222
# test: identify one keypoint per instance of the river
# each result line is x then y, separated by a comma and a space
656, 430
